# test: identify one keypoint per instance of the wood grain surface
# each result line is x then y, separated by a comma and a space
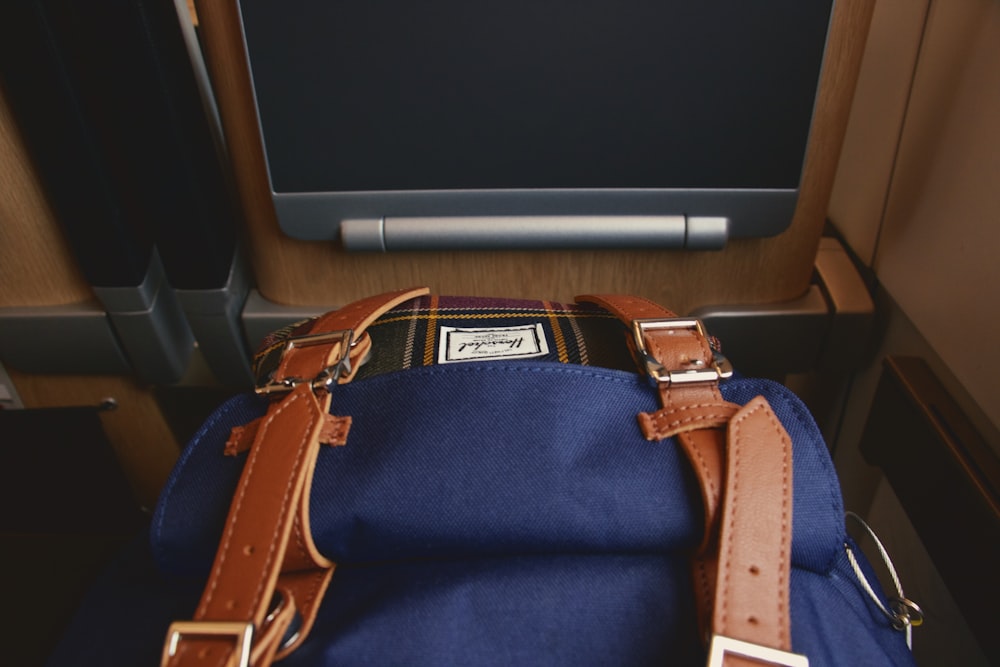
38, 269
36, 266
296, 272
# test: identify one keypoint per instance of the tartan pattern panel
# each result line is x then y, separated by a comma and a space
408, 336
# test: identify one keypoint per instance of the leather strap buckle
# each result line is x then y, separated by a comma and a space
327, 377
240, 633
702, 370
722, 646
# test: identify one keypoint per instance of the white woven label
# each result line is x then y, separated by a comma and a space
520, 342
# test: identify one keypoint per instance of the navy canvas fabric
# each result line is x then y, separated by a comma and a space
495, 513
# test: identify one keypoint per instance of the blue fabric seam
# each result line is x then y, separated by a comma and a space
156, 544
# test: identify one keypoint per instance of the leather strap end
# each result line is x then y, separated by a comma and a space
241, 438
751, 598
334, 430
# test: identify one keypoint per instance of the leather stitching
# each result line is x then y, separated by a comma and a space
224, 552
662, 431
704, 589
782, 565
305, 604
657, 418
735, 451
314, 587
733, 503
284, 506
300, 540
294, 479
660, 414
785, 529
709, 479
241, 438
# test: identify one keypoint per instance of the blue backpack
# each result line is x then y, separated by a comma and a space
498, 485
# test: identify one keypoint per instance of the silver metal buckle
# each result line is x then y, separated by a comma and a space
327, 377
241, 633
720, 368
722, 646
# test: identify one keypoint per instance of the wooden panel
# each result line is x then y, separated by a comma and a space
36, 267
883, 91
937, 255
748, 271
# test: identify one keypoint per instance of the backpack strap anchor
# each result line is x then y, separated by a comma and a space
742, 458
268, 578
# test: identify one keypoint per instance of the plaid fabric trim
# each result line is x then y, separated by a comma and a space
407, 336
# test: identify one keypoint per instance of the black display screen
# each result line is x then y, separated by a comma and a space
534, 94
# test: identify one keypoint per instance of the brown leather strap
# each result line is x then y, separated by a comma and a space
309, 361
241, 438
688, 409
267, 547
627, 308
741, 579
755, 544
750, 620
258, 531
